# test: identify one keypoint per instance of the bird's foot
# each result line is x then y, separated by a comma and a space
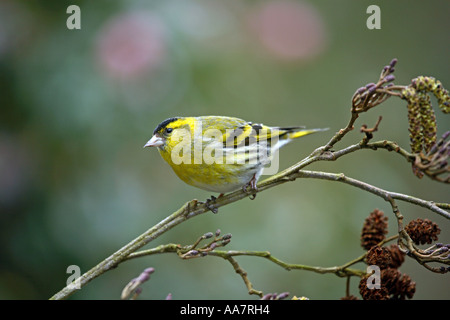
250, 188
209, 203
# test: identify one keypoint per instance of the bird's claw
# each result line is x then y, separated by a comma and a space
250, 188
209, 204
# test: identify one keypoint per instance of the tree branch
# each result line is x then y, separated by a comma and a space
194, 208
340, 271
386, 195
364, 99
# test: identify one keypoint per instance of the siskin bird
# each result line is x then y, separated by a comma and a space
220, 154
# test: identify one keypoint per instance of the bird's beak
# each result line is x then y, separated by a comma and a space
155, 141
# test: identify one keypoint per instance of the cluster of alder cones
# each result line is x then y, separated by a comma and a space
394, 284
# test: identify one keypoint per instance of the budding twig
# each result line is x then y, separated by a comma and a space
132, 289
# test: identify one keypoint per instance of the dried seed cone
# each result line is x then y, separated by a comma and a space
399, 286
379, 256
397, 256
394, 285
423, 231
405, 288
389, 279
372, 294
374, 229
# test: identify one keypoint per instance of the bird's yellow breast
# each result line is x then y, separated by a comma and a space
215, 177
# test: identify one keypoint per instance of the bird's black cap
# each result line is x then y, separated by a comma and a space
163, 124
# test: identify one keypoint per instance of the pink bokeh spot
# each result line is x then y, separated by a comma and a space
288, 30
131, 44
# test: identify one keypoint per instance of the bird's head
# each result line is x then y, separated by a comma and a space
168, 133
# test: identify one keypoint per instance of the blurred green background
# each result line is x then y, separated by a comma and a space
78, 105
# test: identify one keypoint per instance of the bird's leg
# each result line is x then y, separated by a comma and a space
209, 203
251, 188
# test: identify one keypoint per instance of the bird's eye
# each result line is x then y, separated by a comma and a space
169, 130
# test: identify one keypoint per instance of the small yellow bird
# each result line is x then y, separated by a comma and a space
220, 154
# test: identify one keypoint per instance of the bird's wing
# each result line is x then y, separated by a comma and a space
246, 140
